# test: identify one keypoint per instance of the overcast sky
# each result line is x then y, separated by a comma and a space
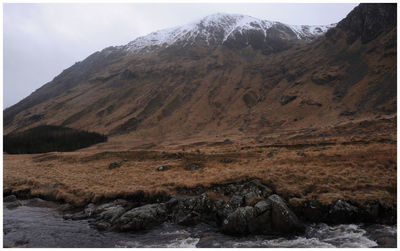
41, 40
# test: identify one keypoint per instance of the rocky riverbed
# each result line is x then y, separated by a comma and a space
247, 211
39, 223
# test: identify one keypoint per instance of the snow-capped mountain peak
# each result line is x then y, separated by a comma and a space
217, 28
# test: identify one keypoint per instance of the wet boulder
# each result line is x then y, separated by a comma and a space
140, 218
250, 198
234, 202
193, 210
112, 213
342, 212
284, 221
105, 219
249, 220
190, 219
172, 202
77, 216
89, 210
237, 222
256, 187
66, 208
103, 213
261, 223
37, 202
309, 210
10, 198
97, 210
13, 205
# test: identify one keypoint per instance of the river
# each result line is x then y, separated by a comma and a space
41, 225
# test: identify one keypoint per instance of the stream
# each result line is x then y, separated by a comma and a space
41, 225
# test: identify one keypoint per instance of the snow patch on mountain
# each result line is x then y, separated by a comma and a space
217, 28
310, 30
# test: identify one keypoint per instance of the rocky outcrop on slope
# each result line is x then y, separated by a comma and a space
369, 20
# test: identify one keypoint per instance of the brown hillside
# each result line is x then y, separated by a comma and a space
210, 91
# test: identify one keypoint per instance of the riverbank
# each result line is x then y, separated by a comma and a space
40, 223
234, 208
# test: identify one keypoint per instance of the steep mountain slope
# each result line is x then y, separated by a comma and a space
226, 74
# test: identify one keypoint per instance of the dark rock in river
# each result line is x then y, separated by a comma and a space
13, 205
141, 218
387, 242
77, 216
37, 202
107, 218
261, 223
237, 222
112, 213
66, 208
271, 216
234, 202
256, 187
283, 219
251, 209
193, 210
342, 211
250, 220
10, 198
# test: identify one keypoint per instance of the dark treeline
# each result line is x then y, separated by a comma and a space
49, 138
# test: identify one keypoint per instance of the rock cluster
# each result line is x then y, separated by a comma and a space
251, 209
237, 208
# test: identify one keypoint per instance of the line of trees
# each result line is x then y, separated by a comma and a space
50, 138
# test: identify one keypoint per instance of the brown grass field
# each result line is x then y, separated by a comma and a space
355, 162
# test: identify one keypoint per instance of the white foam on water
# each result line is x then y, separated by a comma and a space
299, 242
343, 236
187, 242
386, 229
177, 232
129, 244
184, 243
316, 236
319, 236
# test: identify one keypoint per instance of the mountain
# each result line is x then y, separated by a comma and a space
234, 31
227, 75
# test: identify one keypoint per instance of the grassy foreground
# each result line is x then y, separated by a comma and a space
360, 168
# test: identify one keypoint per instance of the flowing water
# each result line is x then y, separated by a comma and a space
41, 225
